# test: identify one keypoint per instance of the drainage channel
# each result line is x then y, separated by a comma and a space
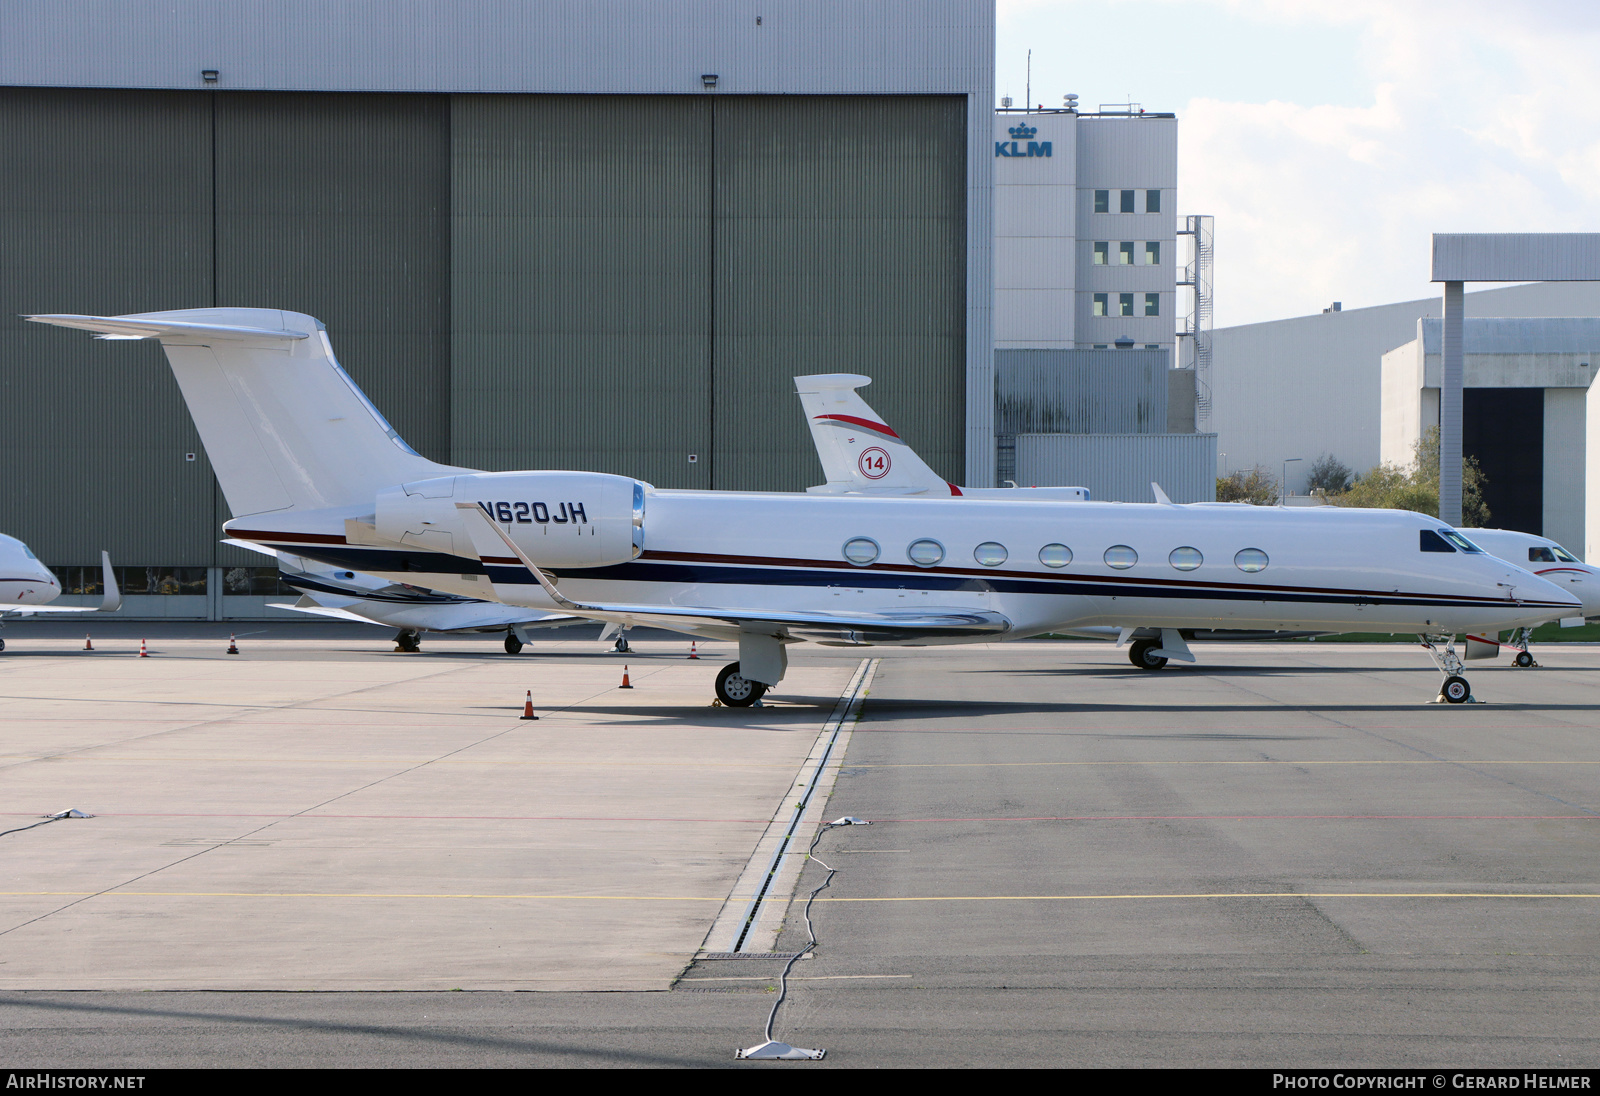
827, 749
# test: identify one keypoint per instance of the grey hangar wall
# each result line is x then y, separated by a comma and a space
605, 282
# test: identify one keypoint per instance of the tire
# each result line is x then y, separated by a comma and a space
736, 691
2, 644
513, 645
1142, 654
1455, 690
1524, 659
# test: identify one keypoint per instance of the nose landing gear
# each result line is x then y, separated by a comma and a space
1524, 656
1454, 689
408, 641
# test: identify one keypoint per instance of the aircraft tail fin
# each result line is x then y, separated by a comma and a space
283, 424
860, 453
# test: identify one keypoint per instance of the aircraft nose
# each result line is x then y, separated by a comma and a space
1527, 587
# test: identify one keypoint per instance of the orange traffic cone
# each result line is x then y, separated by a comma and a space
142, 652
87, 645
233, 648
527, 707
624, 684
692, 652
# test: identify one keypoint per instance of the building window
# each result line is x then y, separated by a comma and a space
1124, 304
1152, 346
1127, 201
1100, 300
1152, 201
1102, 253
1102, 201
1125, 253
1152, 304
1102, 346
1152, 254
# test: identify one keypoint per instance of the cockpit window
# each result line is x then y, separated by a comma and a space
1540, 554
1460, 541
1433, 542
28, 552
1564, 556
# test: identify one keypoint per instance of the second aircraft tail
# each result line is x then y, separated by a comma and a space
860, 454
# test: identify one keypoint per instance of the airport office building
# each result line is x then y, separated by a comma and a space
600, 235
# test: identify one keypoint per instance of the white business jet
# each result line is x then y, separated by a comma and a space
27, 587
1547, 559
310, 467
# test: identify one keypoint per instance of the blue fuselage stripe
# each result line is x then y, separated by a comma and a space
391, 561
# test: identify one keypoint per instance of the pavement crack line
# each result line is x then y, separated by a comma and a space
297, 814
759, 899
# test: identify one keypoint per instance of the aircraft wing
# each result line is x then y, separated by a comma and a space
927, 625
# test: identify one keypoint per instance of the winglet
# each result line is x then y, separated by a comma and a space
1161, 496
112, 601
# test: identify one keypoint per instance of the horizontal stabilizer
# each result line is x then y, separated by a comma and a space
135, 327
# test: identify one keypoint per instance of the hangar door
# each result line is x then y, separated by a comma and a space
635, 280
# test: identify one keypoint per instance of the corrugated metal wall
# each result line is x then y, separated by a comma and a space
580, 284
105, 207
840, 230
599, 282
1080, 391
1120, 467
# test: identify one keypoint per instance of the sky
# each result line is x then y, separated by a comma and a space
1331, 138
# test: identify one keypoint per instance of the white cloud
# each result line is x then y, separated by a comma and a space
1340, 135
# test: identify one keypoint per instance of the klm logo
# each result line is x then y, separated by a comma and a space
1021, 143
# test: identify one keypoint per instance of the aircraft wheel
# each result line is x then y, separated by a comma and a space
2, 644
513, 645
1143, 655
1455, 690
1524, 659
736, 691
409, 642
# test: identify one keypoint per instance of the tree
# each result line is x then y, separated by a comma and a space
1256, 487
1330, 475
1392, 487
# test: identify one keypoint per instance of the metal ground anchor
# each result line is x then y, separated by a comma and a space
772, 1049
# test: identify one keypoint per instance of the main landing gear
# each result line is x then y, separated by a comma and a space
513, 644
620, 647
736, 691
1454, 689
1142, 653
408, 641
1524, 656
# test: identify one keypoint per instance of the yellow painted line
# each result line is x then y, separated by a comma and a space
1241, 894
114, 893
1031, 764
690, 898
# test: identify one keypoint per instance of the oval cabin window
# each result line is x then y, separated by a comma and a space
925, 553
1055, 555
1251, 560
860, 550
1121, 557
990, 554
1186, 559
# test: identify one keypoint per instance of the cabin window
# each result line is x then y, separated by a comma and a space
1250, 560
925, 553
1055, 555
1433, 542
1186, 559
861, 550
1460, 541
1121, 557
990, 554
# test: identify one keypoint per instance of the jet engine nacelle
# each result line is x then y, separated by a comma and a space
559, 519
